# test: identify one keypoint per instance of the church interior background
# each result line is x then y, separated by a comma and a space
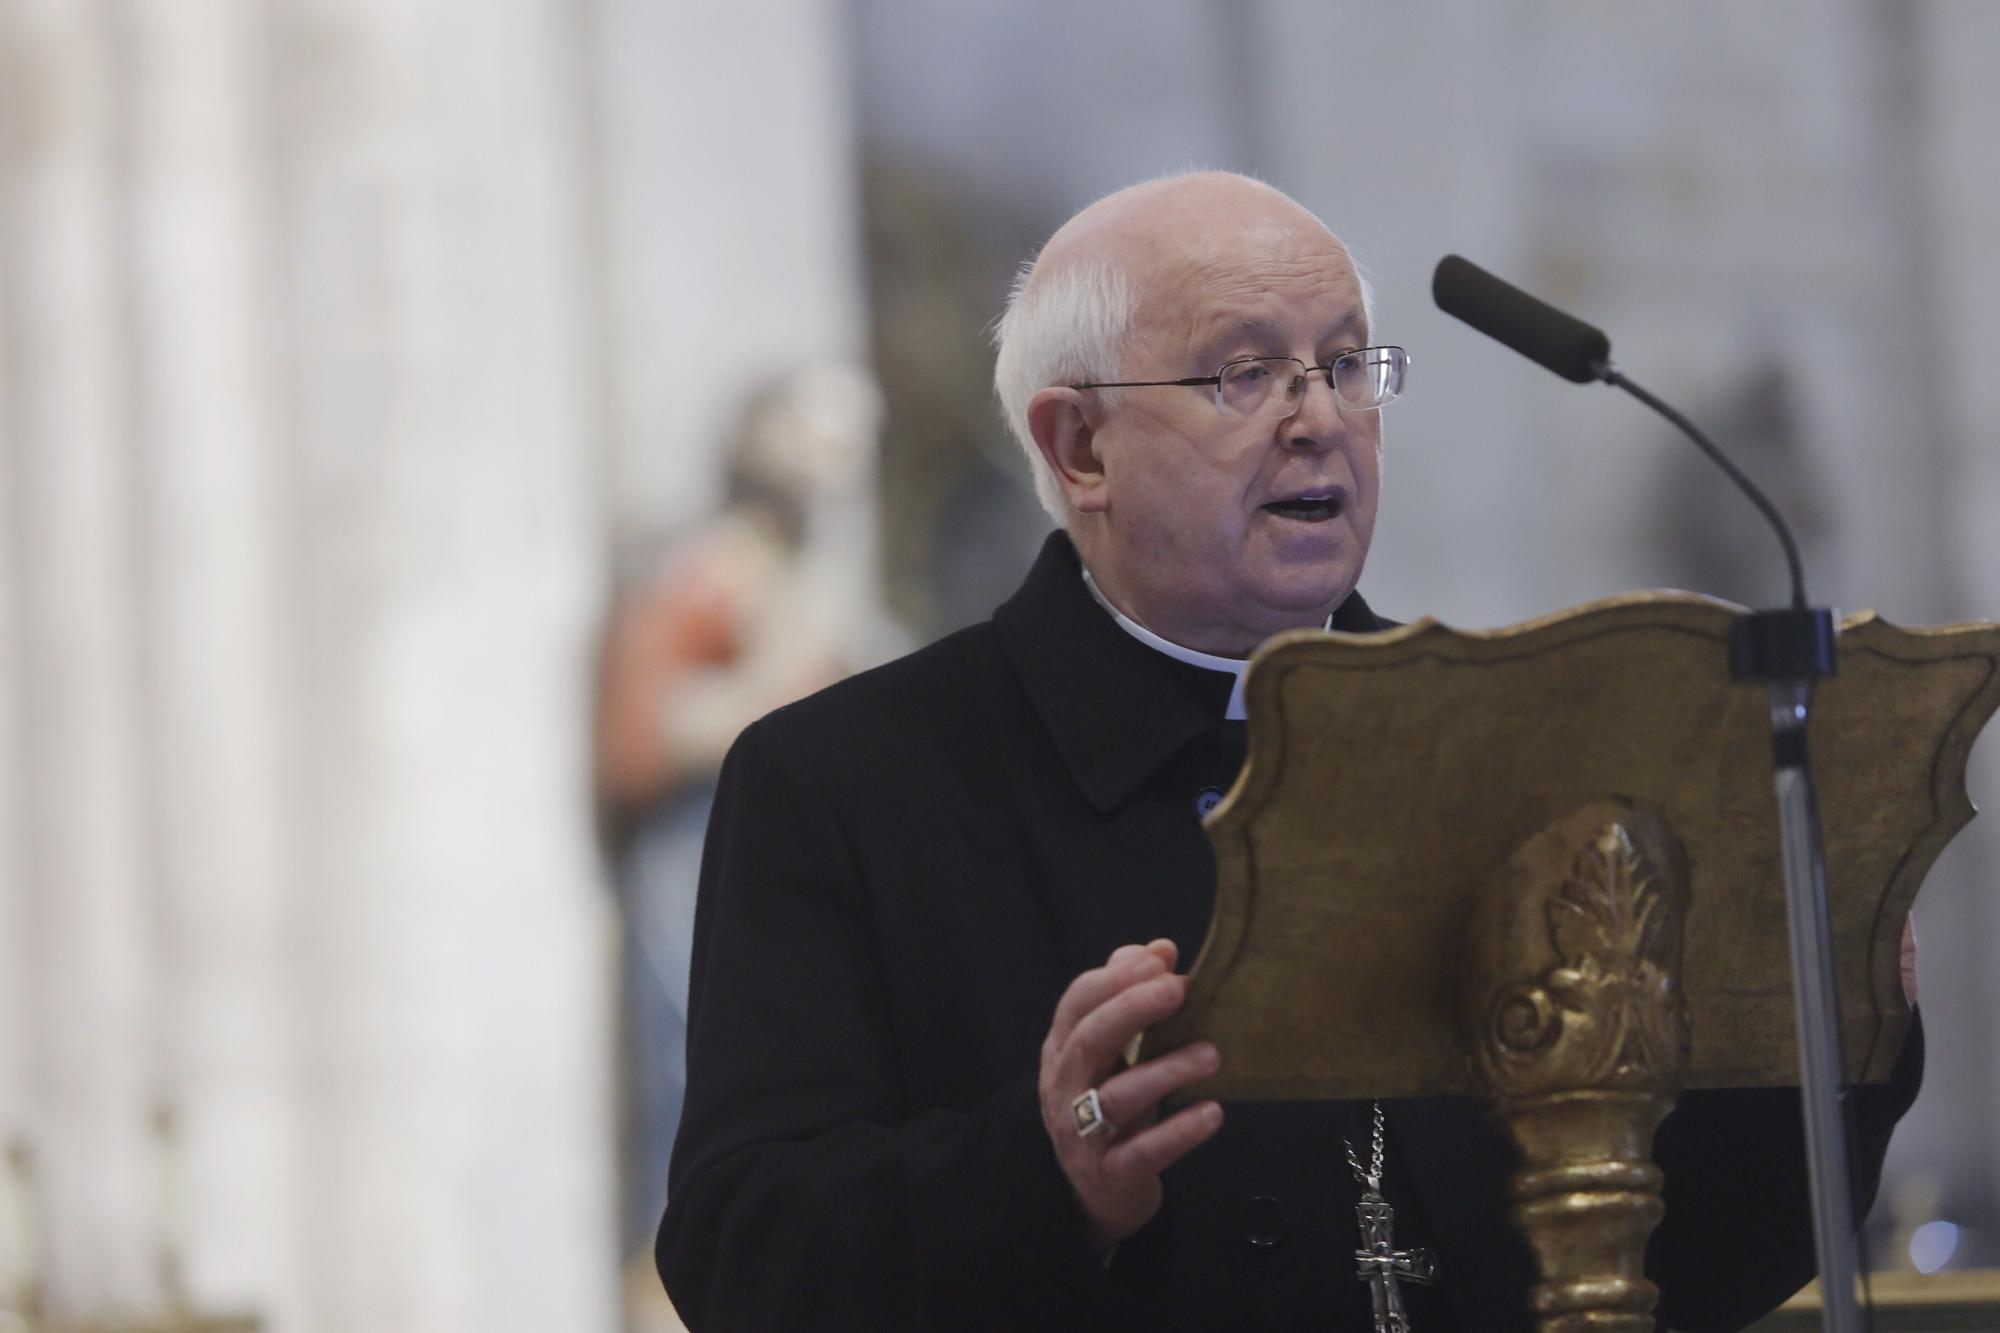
360, 358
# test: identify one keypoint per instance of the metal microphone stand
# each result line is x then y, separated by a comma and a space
1788, 650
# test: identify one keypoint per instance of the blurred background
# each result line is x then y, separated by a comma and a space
430, 428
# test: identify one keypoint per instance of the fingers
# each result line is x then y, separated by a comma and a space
1127, 966
1153, 1150
1097, 1042
1129, 1099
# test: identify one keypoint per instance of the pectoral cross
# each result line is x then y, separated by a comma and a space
1384, 1267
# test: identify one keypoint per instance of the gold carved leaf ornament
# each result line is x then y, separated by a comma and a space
1609, 1013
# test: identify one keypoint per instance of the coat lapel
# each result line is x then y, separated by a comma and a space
1112, 713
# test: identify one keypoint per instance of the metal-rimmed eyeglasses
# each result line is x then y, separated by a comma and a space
1275, 386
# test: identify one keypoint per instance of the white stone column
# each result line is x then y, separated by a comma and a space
86, 959
454, 948
299, 560
214, 588
17, 989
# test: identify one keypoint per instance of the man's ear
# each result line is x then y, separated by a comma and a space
1063, 423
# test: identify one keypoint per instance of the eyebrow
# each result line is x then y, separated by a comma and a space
1230, 330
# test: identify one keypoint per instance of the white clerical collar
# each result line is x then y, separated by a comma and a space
1234, 666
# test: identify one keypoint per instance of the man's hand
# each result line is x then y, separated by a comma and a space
1116, 1176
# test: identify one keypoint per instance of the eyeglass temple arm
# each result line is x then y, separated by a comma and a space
1150, 384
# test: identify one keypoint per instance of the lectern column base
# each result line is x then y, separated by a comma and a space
1586, 1199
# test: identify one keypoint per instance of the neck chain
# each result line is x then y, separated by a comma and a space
1382, 1266
1372, 1177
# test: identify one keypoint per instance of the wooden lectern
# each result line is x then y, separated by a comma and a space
1541, 865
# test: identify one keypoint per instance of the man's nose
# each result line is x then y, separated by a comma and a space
1318, 424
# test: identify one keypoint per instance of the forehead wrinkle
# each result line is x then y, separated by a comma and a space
1198, 293
1229, 322
1218, 301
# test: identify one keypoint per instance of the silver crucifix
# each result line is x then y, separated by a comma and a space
1384, 1267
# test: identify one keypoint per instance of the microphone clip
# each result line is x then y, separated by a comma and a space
1796, 643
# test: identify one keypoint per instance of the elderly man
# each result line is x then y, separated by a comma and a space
941, 897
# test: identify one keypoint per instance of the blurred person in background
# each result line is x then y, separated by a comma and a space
940, 898
768, 600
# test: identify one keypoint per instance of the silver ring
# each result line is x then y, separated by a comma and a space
1089, 1113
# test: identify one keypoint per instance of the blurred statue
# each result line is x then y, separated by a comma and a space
772, 598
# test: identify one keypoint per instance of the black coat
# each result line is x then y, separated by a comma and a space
902, 875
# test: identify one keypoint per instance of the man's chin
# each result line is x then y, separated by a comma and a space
1296, 605
1300, 590
1303, 566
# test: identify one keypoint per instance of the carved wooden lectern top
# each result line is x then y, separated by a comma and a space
1391, 775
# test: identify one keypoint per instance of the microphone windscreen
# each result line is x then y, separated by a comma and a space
1537, 330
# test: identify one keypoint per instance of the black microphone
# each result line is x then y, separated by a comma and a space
1537, 330
1803, 646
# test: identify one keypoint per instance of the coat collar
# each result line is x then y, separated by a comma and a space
1115, 709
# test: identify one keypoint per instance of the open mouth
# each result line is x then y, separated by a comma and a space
1307, 508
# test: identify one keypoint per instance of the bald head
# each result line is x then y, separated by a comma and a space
1163, 234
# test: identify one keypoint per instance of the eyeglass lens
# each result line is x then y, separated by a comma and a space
1366, 378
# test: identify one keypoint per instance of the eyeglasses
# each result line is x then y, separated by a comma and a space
1275, 386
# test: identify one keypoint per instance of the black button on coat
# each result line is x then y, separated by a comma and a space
904, 872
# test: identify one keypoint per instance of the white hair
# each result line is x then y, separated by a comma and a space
1066, 325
